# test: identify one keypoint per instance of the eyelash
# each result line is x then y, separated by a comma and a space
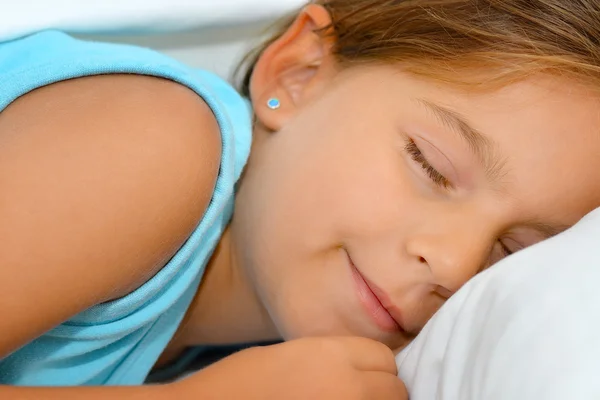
507, 252
415, 153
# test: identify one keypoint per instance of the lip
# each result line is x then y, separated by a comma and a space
376, 303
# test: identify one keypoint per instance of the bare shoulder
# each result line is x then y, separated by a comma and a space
102, 179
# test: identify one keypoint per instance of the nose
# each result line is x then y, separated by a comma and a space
453, 252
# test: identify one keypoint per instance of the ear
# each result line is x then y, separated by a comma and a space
292, 68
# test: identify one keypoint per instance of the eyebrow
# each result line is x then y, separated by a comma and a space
546, 231
480, 145
484, 149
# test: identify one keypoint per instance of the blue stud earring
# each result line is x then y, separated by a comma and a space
274, 103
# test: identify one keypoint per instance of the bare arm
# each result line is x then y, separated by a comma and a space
101, 181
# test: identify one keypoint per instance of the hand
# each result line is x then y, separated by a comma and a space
345, 368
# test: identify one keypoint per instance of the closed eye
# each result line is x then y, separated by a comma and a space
415, 153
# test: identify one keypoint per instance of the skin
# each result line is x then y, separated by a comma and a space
333, 177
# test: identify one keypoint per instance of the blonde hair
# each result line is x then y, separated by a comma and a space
480, 43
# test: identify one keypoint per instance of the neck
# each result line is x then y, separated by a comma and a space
226, 309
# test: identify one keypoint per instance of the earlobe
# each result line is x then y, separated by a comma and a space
292, 68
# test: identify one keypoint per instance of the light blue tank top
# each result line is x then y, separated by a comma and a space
117, 343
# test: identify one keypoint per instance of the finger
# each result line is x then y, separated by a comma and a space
384, 386
370, 355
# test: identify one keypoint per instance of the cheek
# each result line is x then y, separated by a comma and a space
335, 190
369, 197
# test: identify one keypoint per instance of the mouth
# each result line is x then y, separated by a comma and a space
376, 303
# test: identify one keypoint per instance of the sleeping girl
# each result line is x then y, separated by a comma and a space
378, 155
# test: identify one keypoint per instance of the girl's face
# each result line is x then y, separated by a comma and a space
411, 188
382, 194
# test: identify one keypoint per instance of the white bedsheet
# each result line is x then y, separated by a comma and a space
206, 34
21, 17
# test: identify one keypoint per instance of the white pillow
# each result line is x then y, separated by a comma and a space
527, 329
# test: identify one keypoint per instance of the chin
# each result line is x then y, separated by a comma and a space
297, 328
319, 327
